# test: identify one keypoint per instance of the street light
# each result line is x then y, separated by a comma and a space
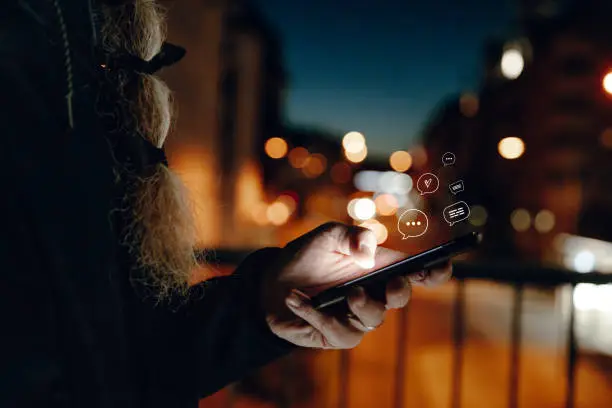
607, 83
511, 148
512, 63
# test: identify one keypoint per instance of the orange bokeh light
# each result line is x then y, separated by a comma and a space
386, 204
276, 147
316, 165
400, 161
298, 157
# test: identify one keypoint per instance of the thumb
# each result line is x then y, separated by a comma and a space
364, 248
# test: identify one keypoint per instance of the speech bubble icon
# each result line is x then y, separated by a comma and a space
412, 223
428, 183
456, 187
457, 212
448, 159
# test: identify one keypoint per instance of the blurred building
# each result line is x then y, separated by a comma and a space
534, 143
229, 90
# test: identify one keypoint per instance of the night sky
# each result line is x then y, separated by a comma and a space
381, 66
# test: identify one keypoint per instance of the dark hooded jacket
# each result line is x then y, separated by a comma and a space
76, 330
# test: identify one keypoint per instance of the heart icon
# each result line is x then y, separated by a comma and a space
428, 182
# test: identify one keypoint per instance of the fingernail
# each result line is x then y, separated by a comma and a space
294, 301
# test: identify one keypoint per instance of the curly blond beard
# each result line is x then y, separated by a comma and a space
161, 232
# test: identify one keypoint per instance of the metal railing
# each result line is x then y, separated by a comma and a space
519, 277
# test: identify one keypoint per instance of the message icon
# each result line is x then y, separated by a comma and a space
412, 223
457, 212
428, 183
448, 159
456, 187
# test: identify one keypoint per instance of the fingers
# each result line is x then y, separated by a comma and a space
363, 246
399, 291
432, 277
368, 313
333, 332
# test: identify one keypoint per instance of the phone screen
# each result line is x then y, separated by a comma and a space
411, 264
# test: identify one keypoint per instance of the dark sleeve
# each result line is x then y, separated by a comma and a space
220, 335
233, 338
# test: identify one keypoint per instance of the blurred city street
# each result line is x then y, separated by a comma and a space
291, 118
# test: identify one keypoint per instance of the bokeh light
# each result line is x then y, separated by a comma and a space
512, 63
276, 147
353, 142
379, 230
386, 204
289, 200
606, 138
298, 157
364, 209
607, 83
544, 221
315, 166
511, 148
350, 208
341, 173
356, 157
469, 105
400, 161
520, 220
278, 213
584, 262
478, 216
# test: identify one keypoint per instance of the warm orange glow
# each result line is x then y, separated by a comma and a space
386, 204
469, 105
353, 142
511, 148
400, 161
606, 138
259, 214
357, 157
379, 230
341, 173
276, 147
298, 157
278, 213
288, 201
248, 190
315, 166
607, 83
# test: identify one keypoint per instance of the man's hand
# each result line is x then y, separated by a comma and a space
329, 255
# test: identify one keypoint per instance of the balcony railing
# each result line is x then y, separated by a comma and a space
520, 278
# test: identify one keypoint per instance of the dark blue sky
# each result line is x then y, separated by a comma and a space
381, 66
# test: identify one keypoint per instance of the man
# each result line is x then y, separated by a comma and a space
97, 247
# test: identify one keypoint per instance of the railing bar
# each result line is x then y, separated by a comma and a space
458, 339
344, 379
572, 355
400, 367
515, 348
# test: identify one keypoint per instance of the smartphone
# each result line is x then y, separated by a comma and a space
375, 282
